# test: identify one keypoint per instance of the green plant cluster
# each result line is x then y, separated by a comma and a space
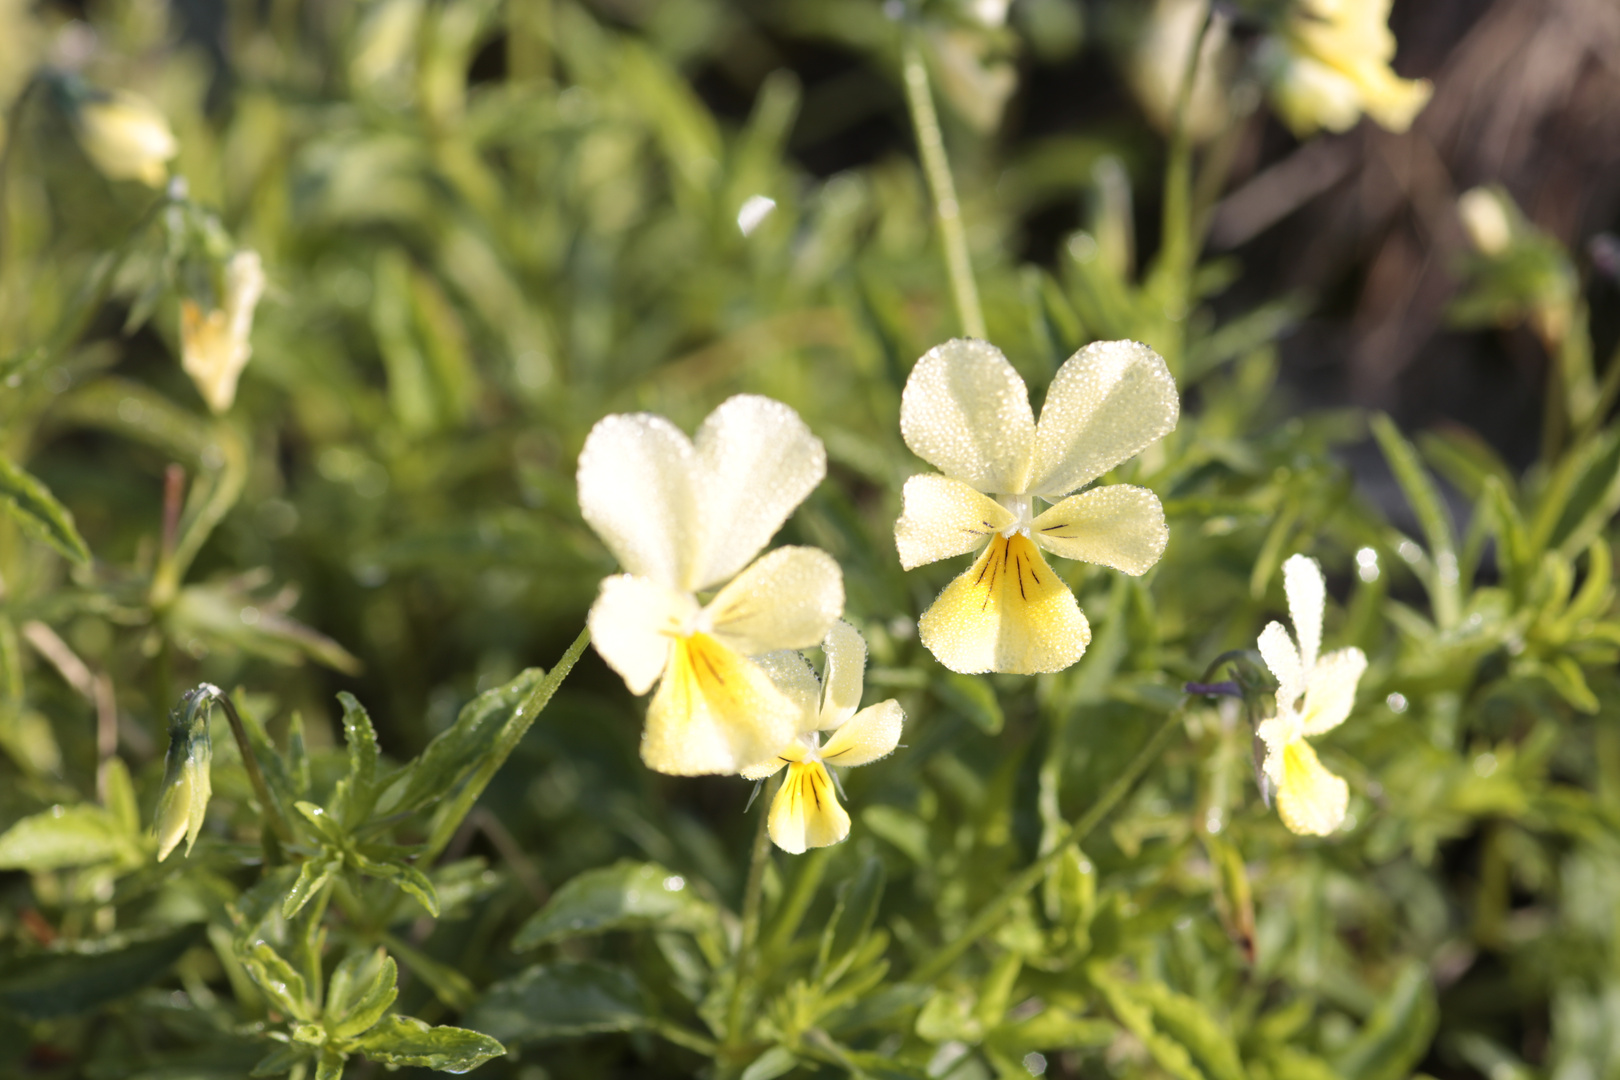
484, 226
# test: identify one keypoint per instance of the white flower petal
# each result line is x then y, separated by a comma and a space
633, 624
759, 461
714, 712
1107, 402
1307, 595
792, 674
1330, 692
966, 412
636, 490
789, 599
1121, 526
845, 650
874, 732
941, 517
1277, 650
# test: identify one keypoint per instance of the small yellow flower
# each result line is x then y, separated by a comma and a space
683, 518
966, 411
127, 138
187, 784
805, 812
1331, 64
214, 347
1310, 800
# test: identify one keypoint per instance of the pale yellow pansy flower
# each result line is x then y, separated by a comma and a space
1314, 694
966, 411
806, 812
126, 137
1330, 64
214, 347
684, 517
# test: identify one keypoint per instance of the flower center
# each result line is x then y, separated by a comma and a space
1022, 508
812, 747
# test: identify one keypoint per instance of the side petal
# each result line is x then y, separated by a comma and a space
1107, 402
941, 517
1310, 800
633, 624
1009, 612
872, 733
758, 462
805, 812
966, 412
1277, 650
845, 650
1121, 526
792, 674
1330, 693
1307, 596
635, 490
793, 751
789, 599
714, 712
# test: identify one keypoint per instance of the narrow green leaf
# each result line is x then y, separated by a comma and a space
362, 988
280, 1060
777, 1061
60, 837
37, 511
278, 979
973, 697
361, 739
85, 975
329, 1066
1397, 1035
857, 907
1424, 498
626, 895
550, 1001
1187, 1021
312, 878
404, 1040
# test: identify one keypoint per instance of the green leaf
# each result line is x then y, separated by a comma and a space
312, 878
1187, 1021
973, 697
550, 1001
777, 1061
1397, 1035
278, 979
1054, 1028
330, 1066
404, 1040
62, 836
627, 895
361, 990
853, 915
1424, 498
406, 877
37, 511
280, 1060
85, 975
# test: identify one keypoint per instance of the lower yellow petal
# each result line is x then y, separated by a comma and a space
1310, 800
714, 712
1008, 613
805, 812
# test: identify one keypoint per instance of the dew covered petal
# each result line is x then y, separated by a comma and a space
1107, 402
758, 462
1121, 526
941, 517
789, 599
1330, 692
966, 412
1278, 651
1009, 612
805, 812
845, 651
1307, 596
1310, 800
792, 674
636, 490
633, 624
870, 734
714, 712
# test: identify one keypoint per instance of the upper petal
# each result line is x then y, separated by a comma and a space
1107, 402
1009, 612
1277, 650
1310, 800
636, 491
966, 412
633, 623
941, 517
872, 733
714, 712
789, 599
1330, 691
1121, 526
845, 650
792, 674
1307, 595
758, 462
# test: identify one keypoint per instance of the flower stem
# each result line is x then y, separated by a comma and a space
250, 762
753, 896
937, 169
992, 913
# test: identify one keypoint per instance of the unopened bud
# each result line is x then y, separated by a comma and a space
1486, 216
186, 780
126, 137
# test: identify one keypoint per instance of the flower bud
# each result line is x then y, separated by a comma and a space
186, 780
214, 347
126, 137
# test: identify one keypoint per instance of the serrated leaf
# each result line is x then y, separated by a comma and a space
278, 979
1397, 1034
627, 895
81, 977
361, 989
312, 877
551, 1001
404, 1040
361, 740
62, 836
33, 506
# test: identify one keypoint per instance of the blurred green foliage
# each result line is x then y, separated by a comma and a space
486, 225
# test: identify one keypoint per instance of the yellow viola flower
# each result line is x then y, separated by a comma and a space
1331, 64
1314, 695
127, 138
966, 411
214, 347
684, 517
805, 812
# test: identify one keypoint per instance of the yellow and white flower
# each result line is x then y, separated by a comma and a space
806, 812
127, 138
1331, 64
1310, 800
966, 411
214, 347
683, 518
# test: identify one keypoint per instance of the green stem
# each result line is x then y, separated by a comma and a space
937, 170
250, 762
991, 915
682, 1037
811, 870
753, 896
